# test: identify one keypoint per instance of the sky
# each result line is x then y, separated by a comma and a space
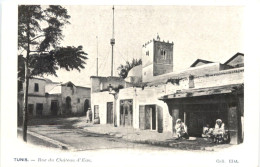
213, 33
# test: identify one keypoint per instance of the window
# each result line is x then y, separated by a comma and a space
191, 81
78, 100
147, 53
36, 87
163, 54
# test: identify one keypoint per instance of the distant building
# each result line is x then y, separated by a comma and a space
47, 98
198, 95
236, 61
200, 62
134, 75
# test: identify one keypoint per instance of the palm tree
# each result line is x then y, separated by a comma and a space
124, 69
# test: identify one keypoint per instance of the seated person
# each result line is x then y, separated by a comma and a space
207, 131
219, 131
181, 130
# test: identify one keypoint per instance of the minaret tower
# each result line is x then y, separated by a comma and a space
112, 42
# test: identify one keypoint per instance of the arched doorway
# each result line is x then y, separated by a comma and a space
68, 105
86, 105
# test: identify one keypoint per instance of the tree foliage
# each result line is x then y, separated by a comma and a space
39, 35
124, 69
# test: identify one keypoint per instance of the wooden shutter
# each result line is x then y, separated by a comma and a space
160, 118
142, 117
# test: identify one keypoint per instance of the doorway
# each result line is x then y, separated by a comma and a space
153, 119
150, 117
86, 105
126, 112
54, 107
39, 108
68, 105
30, 109
198, 115
109, 112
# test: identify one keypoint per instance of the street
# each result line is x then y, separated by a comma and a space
62, 130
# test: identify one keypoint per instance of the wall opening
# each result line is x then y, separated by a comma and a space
86, 105
68, 105
39, 109
54, 107
109, 112
30, 109
126, 112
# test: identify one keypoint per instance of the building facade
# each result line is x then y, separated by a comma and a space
198, 95
47, 98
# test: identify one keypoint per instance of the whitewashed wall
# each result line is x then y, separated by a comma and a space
150, 95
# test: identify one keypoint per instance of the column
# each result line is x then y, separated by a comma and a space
175, 116
233, 124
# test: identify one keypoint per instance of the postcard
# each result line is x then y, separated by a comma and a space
129, 84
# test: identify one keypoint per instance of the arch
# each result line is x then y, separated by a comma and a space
68, 104
86, 105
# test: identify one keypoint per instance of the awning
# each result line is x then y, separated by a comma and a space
226, 89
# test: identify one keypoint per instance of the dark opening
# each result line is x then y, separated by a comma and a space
20, 86
36, 87
110, 113
30, 109
150, 117
126, 113
39, 108
68, 104
86, 105
153, 119
198, 115
54, 107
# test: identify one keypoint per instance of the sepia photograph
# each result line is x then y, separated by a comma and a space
130, 79
178, 85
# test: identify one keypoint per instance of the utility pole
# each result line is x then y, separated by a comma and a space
97, 55
112, 42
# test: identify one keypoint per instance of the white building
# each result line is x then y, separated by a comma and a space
201, 94
47, 98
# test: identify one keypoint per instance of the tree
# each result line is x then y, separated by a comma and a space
124, 69
40, 34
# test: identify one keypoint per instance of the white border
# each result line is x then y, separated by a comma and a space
247, 153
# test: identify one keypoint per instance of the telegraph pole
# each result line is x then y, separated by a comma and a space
112, 42
97, 55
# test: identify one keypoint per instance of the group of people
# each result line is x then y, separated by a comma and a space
217, 134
